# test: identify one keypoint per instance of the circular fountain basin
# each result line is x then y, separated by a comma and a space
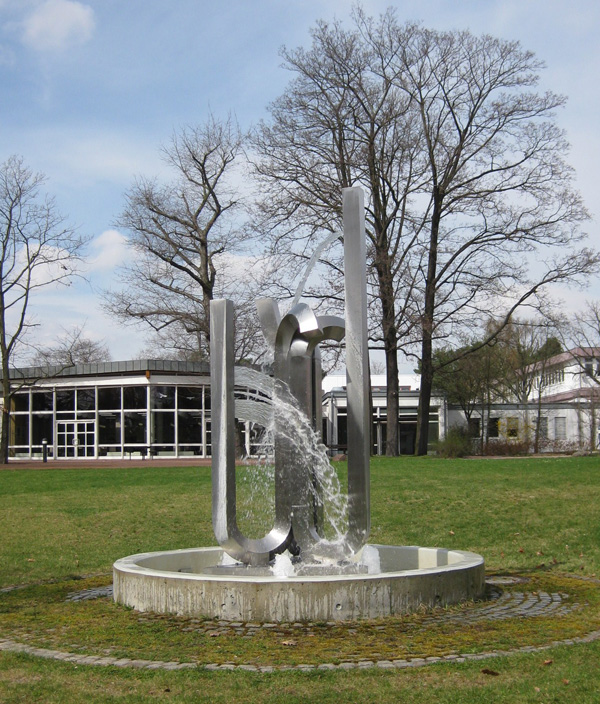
189, 583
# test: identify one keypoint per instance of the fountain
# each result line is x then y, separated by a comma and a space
296, 572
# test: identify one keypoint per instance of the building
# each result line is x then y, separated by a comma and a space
157, 408
561, 406
335, 414
115, 409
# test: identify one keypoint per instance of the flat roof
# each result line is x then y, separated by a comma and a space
110, 368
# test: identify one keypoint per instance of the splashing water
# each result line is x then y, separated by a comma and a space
283, 566
256, 404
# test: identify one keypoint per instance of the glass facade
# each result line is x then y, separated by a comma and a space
335, 429
127, 420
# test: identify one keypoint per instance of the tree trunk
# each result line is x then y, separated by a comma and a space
424, 399
427, 330
6, 401
392, 448
390, 342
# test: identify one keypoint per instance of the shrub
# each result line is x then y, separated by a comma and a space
457, 442
507, 447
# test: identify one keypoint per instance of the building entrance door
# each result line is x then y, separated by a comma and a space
75, 438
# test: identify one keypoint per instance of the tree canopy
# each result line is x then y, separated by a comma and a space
472, 209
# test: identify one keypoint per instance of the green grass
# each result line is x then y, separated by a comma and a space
537, 517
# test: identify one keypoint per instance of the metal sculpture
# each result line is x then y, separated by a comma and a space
294, 340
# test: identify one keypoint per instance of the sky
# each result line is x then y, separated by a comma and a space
91, 89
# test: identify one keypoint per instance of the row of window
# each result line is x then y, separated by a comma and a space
552, 377
87, 422
112, 429
512, 427
407, 430
113, 398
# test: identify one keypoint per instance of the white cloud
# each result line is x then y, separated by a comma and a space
110, 250
58, 24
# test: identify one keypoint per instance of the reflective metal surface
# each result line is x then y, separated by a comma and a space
294, 340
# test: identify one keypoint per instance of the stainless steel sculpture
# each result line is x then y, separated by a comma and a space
294, 340
331, 581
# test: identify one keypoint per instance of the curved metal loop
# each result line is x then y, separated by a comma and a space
224, 514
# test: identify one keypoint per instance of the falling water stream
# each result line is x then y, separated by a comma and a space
257, 476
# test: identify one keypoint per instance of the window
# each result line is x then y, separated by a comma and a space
512, 427
163, 396
42, 400
135, 428
189, 397
109, 399
134, 397
41, 429
492, 426
19, 430
474, 427
109, 429
163, 428
86, 399
20, 402
65, 401
560, 428
189, 428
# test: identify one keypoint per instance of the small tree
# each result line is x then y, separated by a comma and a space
37, 250
182, 235
467, 376
71, 348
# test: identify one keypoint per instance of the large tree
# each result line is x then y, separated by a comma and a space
471, 210
502, 217
37, 250
183, 235
340, 124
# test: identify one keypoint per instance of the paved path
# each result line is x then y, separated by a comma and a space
502, 605
121, 463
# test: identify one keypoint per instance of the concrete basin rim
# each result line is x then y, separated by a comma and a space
469, 560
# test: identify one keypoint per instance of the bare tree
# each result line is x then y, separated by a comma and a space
72, 347
502, 217
180, 234
472, 208
177, 342
37, 250
341, 122
583, 330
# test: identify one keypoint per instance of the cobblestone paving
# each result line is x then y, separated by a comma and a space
499, 606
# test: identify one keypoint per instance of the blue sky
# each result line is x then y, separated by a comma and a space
91, 89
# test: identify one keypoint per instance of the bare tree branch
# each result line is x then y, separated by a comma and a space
37, 250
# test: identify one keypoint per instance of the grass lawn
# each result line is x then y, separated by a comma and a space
533, 517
